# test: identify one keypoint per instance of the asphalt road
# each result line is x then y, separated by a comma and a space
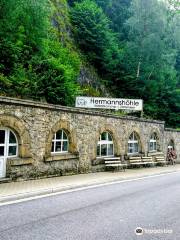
107, 212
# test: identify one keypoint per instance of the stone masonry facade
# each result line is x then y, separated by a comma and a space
35, 124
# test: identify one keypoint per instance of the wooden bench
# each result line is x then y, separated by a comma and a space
141, 161
160, 160
135, 161
148, 161
115, 162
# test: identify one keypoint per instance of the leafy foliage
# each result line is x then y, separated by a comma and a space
137, 51
94, 36
33, 62
118, 13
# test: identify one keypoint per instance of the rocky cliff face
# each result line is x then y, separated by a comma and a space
61, 21
91, 82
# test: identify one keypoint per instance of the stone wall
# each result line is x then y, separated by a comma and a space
36, 123
174, 136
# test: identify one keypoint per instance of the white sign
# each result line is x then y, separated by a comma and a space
109, 103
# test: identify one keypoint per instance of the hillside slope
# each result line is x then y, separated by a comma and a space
54, 51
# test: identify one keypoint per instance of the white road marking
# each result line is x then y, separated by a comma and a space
54, 191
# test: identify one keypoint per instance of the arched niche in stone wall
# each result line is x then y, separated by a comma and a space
141, 145
111, 130
17, 126
158, 139
65, 126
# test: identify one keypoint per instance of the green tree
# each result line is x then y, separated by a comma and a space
94, 36
35, 62
151, 57
118, 13
23, 28
59, 74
